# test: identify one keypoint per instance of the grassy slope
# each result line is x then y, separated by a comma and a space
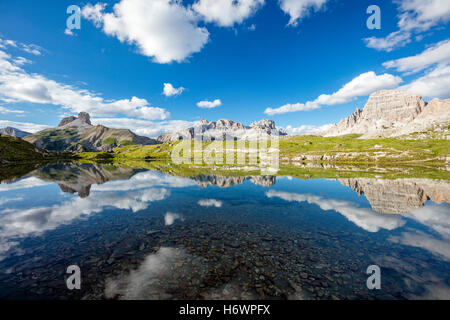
346, 149
18, 157
367, 150
14, 150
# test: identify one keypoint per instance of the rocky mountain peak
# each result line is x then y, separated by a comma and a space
263, 124
392, 113
83, 118
225, 129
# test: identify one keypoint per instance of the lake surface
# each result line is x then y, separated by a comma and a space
138, 234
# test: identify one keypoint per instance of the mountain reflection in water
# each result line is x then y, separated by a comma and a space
140, 234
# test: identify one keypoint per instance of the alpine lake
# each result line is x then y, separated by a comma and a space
137, 233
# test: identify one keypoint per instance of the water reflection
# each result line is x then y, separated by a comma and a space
140, 234
401, 195
365, 218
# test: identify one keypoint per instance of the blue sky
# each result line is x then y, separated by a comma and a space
302, 63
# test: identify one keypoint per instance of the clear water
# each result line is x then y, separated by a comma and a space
139, 234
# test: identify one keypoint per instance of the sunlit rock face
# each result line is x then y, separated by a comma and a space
391, 113
205, 181
224, 129
401, 195
265, 181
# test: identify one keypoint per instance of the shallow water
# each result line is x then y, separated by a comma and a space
138, 234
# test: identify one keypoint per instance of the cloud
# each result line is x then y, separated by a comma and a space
415, 17
434, 216
4, 110
6, 200
143, 127
25, 183
364, 218
170, 218
143, 180
440, 248
392, 41
209, 104
435, 83
20, 61
362, 85
24, 126
160, 276
169, 90
22, 223
423, 14
162, 29
226, 13
305, 129
438, 53
29, 48
210, 203
16, 85
298, 9
94, 13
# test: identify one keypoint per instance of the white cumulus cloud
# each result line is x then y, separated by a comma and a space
169, 90
24, 126
415, 17
435, 83
209, 104
165, 30
438, 53
297, 9
306, 129
17, 85
362, 85
227, 12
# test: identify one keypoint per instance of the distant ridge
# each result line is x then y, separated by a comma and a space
14, 132
224, 128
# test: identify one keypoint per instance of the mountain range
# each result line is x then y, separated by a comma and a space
225, 129
77, 134
387, 113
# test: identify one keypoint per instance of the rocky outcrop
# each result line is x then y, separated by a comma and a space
66, 121
207, 180
83, 119
77, 134
390, 113
14, 132
224, 129
265, 181
400, 195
